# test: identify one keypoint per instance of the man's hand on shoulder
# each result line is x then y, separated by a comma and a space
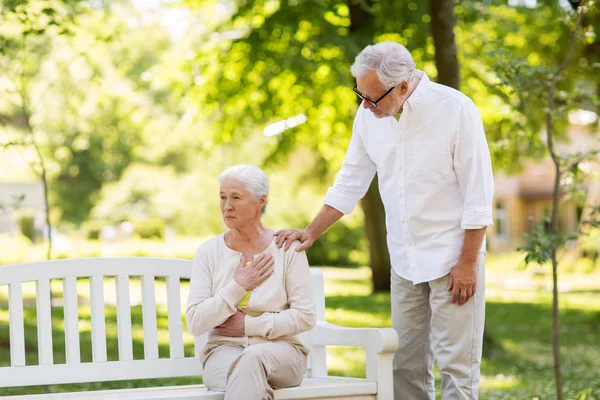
288, 236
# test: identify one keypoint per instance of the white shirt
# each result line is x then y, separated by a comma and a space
435, 177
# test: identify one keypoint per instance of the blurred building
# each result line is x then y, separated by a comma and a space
33, 203
522, 201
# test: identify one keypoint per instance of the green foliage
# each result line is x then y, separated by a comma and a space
341, 245
540, 243
508, 54
25, 220
151, 228
93, 228
75, 88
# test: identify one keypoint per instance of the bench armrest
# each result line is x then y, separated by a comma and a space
379, 343
378, 340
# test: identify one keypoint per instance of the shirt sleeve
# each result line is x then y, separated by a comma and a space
204, 311
301, 315
355, 176
473, 167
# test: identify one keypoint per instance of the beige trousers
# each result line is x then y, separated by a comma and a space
431, 328
252, 372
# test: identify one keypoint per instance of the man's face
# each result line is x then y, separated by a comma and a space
371, 89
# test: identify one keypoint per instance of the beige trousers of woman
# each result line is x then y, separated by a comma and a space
252, 372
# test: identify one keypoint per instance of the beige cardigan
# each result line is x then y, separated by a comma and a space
284, 299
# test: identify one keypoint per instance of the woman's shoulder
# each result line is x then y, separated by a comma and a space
291, 254
209, 247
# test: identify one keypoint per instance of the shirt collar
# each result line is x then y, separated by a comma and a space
417, 96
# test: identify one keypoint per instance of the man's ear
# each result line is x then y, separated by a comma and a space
403, 88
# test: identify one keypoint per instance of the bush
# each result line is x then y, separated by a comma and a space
26, 225
93, 228
590, 244
582, 265
152, 228
341, 245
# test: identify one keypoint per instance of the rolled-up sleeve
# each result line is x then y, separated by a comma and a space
355, 176
473, 167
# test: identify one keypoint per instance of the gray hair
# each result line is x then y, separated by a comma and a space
252, 177
393, 63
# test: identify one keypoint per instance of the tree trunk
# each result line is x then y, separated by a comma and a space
442, 30
442, 25
376, 234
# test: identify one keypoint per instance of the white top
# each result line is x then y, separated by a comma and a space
284, 299
435, 177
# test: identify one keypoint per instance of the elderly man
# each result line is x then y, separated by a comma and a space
426, 143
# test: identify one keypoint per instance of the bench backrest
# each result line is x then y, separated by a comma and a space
110, 284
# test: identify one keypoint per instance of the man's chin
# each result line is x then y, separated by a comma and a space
379, 114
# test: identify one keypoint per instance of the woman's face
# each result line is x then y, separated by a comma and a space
238, 205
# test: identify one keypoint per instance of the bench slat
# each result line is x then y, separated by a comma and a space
175, 327
86, 267
124, 318
149, 318
73, 354
44, 322
98, 319
16, 323
330, 388
99, 372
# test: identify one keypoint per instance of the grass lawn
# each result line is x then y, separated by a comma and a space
518, 319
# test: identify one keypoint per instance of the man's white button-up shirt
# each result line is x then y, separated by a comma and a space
435, 177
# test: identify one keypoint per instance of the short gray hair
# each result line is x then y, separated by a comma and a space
252, 177
392, 61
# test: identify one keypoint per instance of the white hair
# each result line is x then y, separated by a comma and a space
392, 62
252, 177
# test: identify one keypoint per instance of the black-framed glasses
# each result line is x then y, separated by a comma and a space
373, 103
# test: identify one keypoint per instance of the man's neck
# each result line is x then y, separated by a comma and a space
412, 86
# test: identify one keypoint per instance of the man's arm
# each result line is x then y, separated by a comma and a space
351, 184
324, 219
463, 277
473, 168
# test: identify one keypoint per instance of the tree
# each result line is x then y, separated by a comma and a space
443, 22
27, 26
546, 85
293, 58
78, 87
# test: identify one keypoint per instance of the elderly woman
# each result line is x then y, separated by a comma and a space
252, 296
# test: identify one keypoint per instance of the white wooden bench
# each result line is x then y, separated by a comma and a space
379, 343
